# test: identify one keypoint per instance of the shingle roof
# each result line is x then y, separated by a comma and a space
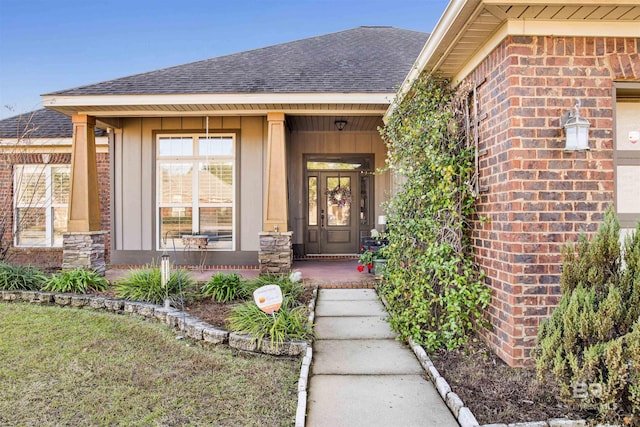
41, 123
364, 59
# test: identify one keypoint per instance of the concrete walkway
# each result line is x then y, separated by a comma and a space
362, 376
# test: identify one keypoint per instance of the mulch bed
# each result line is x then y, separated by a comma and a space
497, 393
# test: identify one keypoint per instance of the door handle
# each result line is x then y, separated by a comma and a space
322, 218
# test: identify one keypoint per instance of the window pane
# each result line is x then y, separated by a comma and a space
174, 222
176, 183
339, 201
334, 165
60, 185
175, 146
216, 146
217, 223
31, 227
59, 225
216, 182
32, 186
313, 200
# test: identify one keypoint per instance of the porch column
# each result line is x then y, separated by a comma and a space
276, 204
276, 254
84, 241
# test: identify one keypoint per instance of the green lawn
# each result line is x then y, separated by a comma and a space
61, 366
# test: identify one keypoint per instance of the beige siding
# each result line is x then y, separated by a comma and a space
302, 143
134, 185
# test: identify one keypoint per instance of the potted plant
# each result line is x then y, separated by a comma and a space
380, 262
366, 260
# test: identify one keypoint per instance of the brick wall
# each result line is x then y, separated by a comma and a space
537, 195
48, 258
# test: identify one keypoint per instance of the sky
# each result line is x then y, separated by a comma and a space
50, 45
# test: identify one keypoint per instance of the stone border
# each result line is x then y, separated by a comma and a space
303, 381
463, 414
190, 326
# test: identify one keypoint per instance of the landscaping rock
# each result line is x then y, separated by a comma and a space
29, 296
287, 348
242, 342
433, 373
466, 418
146, 310
215, 335
115, 305
9, 295
62, 300
530, 424
194, 329
561, 422
79, 300
45, 298
454, 403
96, 303
443, 387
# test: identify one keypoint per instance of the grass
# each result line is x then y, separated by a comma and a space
74, 367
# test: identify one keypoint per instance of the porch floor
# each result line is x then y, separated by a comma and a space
323, 273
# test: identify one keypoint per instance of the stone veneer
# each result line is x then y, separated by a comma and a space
276, 252
84, 249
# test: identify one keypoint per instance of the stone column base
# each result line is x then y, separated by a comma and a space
84, 249
276, 253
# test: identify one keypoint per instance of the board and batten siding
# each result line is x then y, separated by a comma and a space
316, 142
134, 210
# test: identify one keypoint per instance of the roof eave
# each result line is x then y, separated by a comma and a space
374, 103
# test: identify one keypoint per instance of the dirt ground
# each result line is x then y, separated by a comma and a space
497, 393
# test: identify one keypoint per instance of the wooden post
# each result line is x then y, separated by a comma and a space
84, 203
276, 209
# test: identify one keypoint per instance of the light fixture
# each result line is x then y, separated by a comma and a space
340, 124
576, 129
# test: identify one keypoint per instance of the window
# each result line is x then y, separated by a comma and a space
41, 199
196, 189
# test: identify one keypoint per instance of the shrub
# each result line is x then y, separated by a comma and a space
591, 342
290, 289
436, 294
285, 324
223, 287
145, 284
78, 281
21, 277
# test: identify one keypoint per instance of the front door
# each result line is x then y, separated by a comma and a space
334, 221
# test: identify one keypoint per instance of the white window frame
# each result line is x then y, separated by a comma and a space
195, 159
48, 205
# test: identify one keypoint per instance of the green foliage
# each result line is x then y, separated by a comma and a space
78, 281
593, 336
21, 277
145, 284
291, 289
223, 287
288, 323
435, 291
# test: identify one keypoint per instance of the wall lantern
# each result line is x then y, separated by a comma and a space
576, 129
340, 124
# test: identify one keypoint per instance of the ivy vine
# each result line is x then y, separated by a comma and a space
435, 291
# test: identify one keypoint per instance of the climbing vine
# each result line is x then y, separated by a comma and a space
435, 292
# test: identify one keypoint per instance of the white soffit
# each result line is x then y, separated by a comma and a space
219, 104
470, 29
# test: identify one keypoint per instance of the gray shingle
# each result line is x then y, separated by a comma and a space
41, 123
364, 59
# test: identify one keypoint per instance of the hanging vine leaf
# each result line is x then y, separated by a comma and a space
435, 291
